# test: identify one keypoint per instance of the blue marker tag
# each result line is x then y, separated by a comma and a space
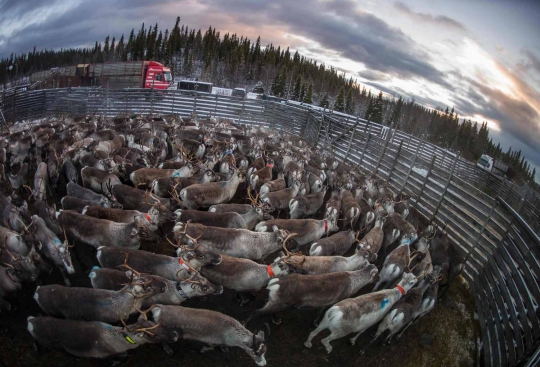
176, 174
228, 151
384, 303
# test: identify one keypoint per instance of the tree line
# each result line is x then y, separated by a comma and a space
231, 61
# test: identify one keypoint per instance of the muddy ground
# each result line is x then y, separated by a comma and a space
445, 337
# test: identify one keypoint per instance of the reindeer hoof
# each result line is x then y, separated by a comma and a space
277, 320
352, 341
308, 344
168, 349
362, 352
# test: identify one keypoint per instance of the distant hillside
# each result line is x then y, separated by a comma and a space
235, 61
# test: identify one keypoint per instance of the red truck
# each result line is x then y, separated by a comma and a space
111, 75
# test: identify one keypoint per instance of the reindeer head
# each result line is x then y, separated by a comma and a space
198, 257
258, 349
143, 232
197, 286
408, 281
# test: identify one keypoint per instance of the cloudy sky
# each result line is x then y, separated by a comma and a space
480, 56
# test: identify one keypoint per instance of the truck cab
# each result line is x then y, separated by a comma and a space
157, 76
485, 162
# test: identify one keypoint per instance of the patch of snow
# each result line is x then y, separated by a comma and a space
420, 171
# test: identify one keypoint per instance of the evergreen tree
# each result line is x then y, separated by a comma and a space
377, 109
396, 115
302, 93
308, 98
324, 103
340, 101
297, 89
349, 102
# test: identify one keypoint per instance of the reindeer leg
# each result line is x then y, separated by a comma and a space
334, 334
167, 348
269, 308
319, 316
207, 349
66, 280
323, 325
353, 339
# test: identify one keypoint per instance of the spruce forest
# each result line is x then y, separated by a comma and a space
232, 61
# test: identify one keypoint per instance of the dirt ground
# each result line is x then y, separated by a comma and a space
445, 337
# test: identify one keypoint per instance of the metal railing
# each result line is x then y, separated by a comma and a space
493, 222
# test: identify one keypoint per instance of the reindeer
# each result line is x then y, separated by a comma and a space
327, 264
271, 186
153, 218
305, 231
402, 312
308, 205
333, 206
313, 291
145, 176
279, 200
395, 263
10, 281
80, 192
19, 180
244, 275
233, 242
336, 244
135, 199
356, 315
374, 239
230, 208
70, 172
95, 339
177, 291
101, 232
351, 209
166, 186
261, 176
98, 304
212, 328
164, 266
53, 248
41, 179
95, 179
206, 195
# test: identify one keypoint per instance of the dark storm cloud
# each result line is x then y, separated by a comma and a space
340, 26
83, 24
440, 20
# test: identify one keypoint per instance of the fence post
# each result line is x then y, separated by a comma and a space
383, 149
445, 188
419, 195
151, 100
173, 97
395, 160
365, 147
491, 210
349, 147
411, 166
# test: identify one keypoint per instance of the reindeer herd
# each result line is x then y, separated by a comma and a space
132, 183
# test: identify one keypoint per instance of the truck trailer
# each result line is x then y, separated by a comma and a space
110, 75
493, 165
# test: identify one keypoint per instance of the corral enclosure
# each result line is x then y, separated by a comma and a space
494, 223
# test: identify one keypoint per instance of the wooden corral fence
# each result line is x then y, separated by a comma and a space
494, 223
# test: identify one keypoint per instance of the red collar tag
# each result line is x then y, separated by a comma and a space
325, 226
269, 165
183, 263
149, 219
400, 289
270, 271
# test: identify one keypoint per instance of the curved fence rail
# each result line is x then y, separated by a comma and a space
494, 223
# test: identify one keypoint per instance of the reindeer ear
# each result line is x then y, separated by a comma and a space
275, 228
129, 273
134, 231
